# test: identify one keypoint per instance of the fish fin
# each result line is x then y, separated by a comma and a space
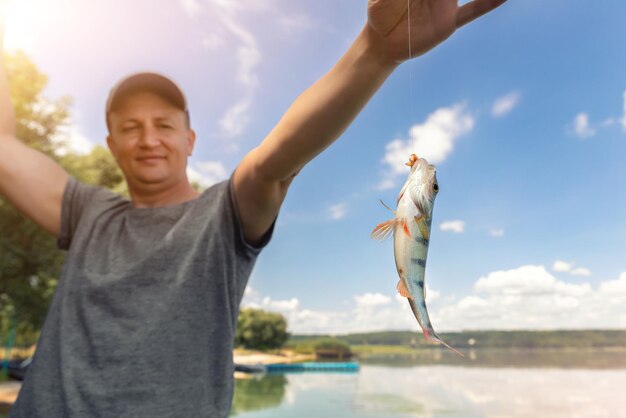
402, 191
403, 290
384, 230
388, 208
421, 223
405, 227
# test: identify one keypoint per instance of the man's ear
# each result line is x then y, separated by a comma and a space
191, 140
111, 145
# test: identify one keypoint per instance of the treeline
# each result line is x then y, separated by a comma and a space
485, 339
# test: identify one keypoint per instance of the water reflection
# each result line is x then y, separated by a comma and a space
493, 386
530, 358
258, 393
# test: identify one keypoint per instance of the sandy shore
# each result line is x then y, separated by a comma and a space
8, 394
258, 357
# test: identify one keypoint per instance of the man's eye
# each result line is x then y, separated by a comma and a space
163, 126
129, 129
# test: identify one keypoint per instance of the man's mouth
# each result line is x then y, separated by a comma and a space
150, 159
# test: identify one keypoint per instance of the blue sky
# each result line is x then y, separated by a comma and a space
523, 112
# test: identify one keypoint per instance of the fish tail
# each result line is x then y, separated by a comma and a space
429, 332
435, 337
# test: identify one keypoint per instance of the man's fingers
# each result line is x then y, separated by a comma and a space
474, 10
384, 15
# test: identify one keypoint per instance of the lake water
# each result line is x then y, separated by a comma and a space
484, 384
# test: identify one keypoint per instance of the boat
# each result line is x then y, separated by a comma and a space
18, 368
250, 368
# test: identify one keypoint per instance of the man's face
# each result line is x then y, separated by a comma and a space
150, 140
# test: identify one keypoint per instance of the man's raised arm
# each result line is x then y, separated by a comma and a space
31, 181
326, 109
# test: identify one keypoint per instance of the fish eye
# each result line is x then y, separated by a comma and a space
435, 187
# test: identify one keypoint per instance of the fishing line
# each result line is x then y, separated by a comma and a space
408, 18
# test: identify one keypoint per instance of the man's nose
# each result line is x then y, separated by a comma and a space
149, 136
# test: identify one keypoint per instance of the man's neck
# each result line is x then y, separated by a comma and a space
150, 197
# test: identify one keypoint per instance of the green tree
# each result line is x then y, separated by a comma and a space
98, 168
332, 347
261, 330
29, 260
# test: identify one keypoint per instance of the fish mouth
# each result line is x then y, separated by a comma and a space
412, 159
415, 160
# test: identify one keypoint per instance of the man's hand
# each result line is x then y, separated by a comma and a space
325, 110
30, 180
432, 22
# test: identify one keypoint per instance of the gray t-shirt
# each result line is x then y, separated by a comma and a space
144, 315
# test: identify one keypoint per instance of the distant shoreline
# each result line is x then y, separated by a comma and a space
575, 339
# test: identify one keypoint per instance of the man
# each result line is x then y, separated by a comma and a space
143, 319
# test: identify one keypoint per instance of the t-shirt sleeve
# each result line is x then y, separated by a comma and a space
75, 199
241, 241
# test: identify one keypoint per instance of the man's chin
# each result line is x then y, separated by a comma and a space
151, 181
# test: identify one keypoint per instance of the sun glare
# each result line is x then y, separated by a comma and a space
18, 19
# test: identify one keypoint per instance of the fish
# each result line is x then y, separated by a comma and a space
411, 228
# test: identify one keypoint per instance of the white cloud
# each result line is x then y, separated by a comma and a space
229, 24
566, 267
615, 287
236, 118
456, 226
338, 211
250, 293
434, 140
527, 297
370, 311
281, 305
71, 140
431, 294
560, 265
526, 280
505, 104
581, 126
496, 232
371, 299
207, 173
581, 271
